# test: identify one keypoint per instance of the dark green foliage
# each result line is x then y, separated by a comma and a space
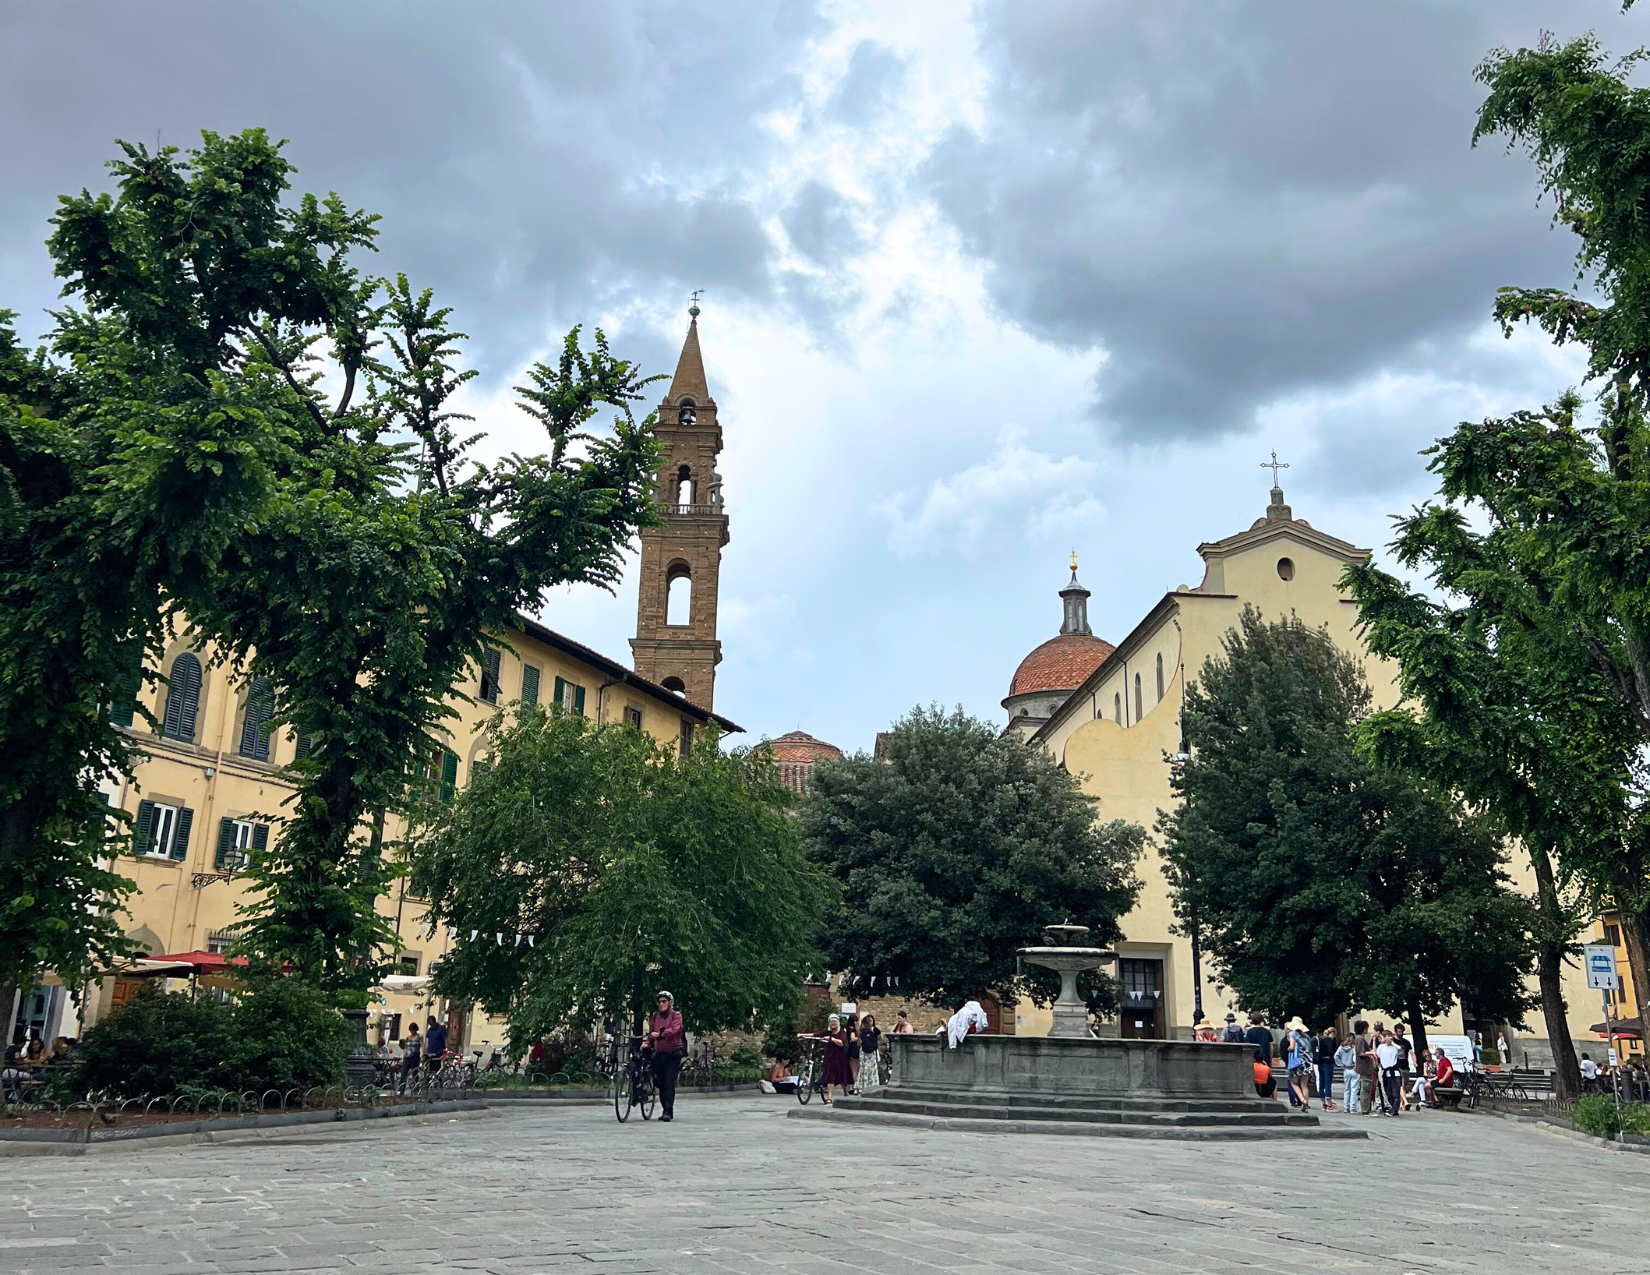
371, 552
954, 848
633, 868
1531, 679
810, 1015
1599, 1115
280, 1034
1316, 883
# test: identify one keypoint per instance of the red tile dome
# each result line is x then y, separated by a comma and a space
1062, 663
801, 746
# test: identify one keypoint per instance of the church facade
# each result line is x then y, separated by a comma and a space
1119, 727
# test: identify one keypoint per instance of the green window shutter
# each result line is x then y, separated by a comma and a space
491, 663
529, 684
559, 698
123, 708
304, 742
449, 776
180, 838
578, 700
183, 699
260, 707
226, 844
143, 831
260, 838
479, 768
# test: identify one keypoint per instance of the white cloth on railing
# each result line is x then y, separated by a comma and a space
964, 1020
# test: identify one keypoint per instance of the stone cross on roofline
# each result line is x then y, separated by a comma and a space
1274, 465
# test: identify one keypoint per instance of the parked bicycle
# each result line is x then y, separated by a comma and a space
632, 1080
701, 1062
810, 1070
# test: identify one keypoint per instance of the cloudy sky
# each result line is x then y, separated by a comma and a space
983, 284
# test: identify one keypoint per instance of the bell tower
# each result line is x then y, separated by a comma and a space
675, 643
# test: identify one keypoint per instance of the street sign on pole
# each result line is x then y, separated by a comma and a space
1601, 967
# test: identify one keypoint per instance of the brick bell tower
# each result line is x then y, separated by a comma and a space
675, 643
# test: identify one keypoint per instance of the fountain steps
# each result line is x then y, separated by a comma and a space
1075, 1106
1257, 1117
975, 1119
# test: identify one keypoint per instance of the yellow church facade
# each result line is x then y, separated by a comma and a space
1119, 727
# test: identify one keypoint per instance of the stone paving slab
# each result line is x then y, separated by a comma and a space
735, 1188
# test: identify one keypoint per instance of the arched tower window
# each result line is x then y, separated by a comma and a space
684, 486
1139, 703
679, 595
673, 684
1160, 675
1117, 709
183, 699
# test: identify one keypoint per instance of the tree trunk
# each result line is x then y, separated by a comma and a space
1635, 933
1550, 970
1417, 1031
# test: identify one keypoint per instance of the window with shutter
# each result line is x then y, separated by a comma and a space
183, 699
305, 742
578, 701
143, 831
491, 662
529, 684
633, 716
449, 776
260, 707
559, 697
687, 737
123, 707
226, 845
180, 838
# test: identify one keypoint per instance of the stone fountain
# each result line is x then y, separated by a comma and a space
1072, 1083
1064, 955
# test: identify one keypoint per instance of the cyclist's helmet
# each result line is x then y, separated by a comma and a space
665, 996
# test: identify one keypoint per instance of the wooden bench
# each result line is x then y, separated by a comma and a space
1449, 1095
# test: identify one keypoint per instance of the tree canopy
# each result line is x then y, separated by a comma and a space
374, 552
1530, 667
1316, 883
954, 847
633, 868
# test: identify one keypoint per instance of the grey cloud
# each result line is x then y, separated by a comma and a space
1238, 202
875, 73
820, 222
534, 163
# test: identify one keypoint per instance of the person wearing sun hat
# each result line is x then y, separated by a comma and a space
1300, 1053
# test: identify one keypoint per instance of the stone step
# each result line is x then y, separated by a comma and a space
1076, 1128
1067, 1102
1267, 1114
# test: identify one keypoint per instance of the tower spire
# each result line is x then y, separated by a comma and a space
1075, 600
675, 643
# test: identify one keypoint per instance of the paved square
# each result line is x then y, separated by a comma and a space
732, 1186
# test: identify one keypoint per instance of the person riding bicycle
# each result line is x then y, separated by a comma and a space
666, 1043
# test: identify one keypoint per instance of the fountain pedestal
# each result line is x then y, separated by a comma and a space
1071, 1013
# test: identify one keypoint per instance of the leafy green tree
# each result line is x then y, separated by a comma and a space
632, 867
1318, 884
954, 847
364, 589
123, 473
1532, 675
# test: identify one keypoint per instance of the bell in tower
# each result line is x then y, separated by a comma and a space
675, 643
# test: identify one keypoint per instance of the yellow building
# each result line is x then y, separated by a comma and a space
1119, 727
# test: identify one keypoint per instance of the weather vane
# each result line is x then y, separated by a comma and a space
1274, 465
693, 302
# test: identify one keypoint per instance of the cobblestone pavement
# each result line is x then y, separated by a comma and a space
732, 1185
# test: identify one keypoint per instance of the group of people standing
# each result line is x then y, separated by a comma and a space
1381, 1071
853, 1052
422, 1051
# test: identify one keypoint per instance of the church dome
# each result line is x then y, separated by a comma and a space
803, 747
1062, 663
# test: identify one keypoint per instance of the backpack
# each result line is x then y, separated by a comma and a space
1346, 1056
1234, 1034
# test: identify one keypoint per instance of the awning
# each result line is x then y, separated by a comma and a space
147, 967
1632, 1028
404, 982
205, 962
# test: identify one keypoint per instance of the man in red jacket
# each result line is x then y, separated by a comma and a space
665, 1039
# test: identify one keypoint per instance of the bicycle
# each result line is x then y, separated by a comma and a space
809, 1070
633, 1081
